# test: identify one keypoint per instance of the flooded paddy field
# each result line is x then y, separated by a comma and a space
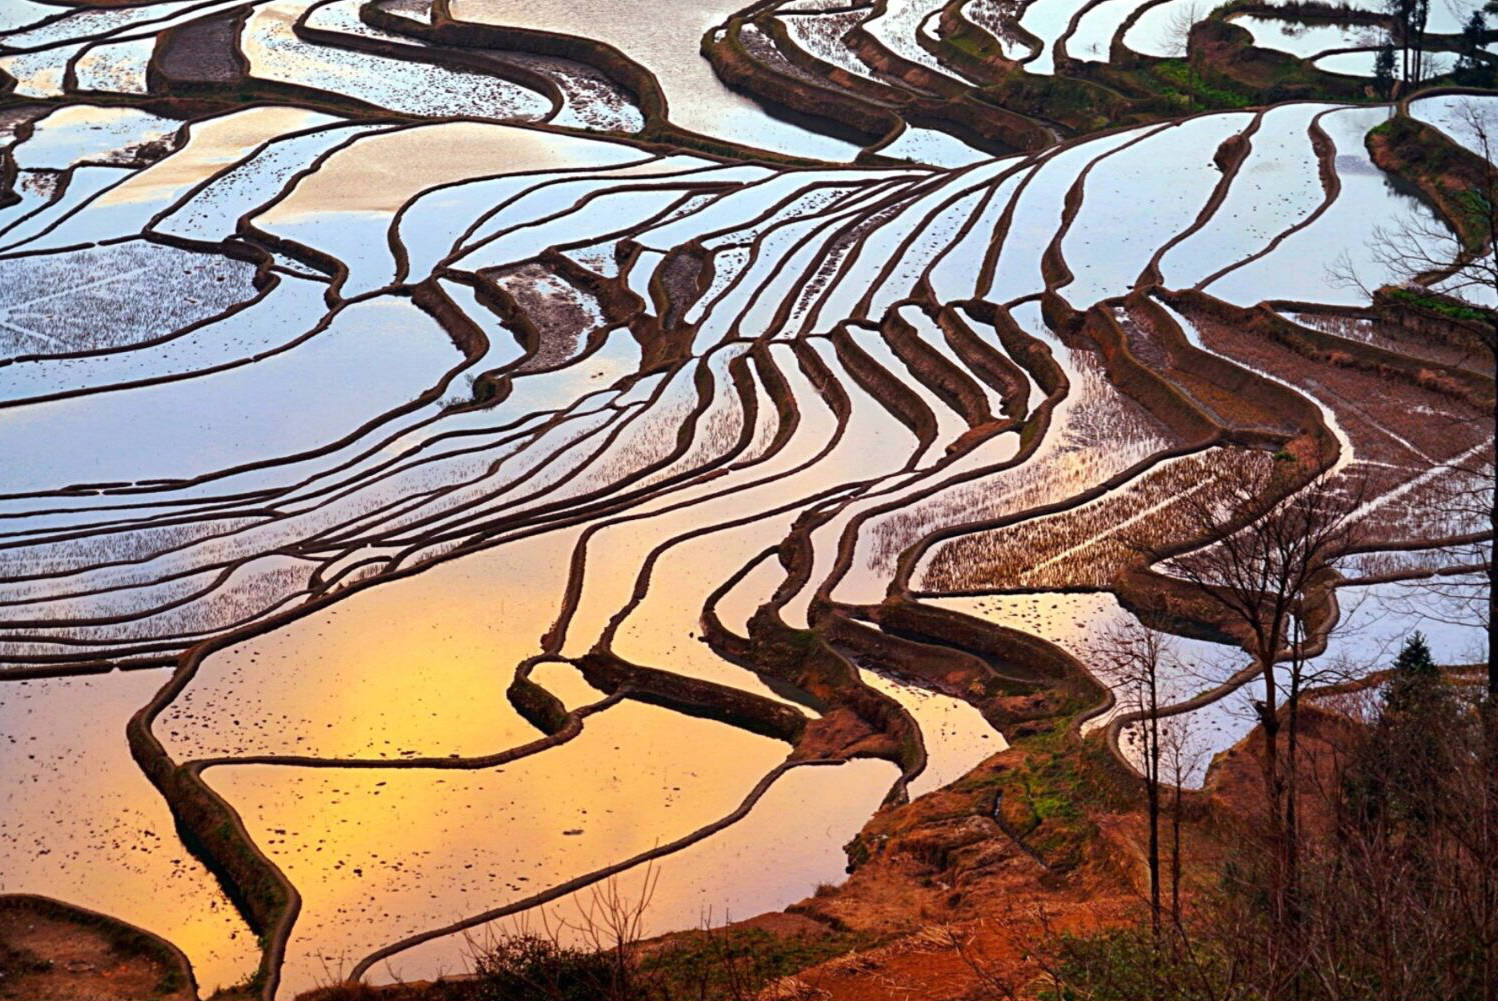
456, 454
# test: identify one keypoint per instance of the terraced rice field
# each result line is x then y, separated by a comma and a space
453, 454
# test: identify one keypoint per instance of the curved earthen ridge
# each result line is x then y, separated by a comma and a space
135, 954
731, 432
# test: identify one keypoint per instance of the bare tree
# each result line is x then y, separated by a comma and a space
1399, 897
1300, 675
1178, 28
1178, 38
549, 956
1464, 262
1256, 575
1134, 652
1182, 754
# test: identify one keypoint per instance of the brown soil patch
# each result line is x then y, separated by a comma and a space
841, 733
204, 51
955, 898
60, 953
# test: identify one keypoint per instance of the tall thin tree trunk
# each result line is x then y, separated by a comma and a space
1493, 582
1487, 835
1175, 846
1404, 51
1422, 16
1490, 184
1292, 844
1292, 771
1489, 819
1273, 793
1152, 766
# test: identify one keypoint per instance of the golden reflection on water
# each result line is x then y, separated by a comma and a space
956, 735
566, 683
381, 853
790, 843
664, 630
210, 146
740, 602
381, 172
412, 667
78, 821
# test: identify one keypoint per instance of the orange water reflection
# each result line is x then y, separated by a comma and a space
378, 854
78, 821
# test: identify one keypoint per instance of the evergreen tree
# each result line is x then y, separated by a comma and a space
1416, 685
1383, 71
1471, 66
1409, 18
1409, 755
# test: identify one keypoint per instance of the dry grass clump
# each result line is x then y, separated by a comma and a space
1438, 382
